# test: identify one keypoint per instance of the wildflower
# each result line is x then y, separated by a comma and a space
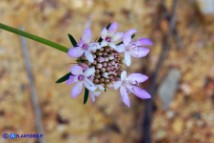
110, 36
84, 47
133, 48
80, 78
100, 64
128, 84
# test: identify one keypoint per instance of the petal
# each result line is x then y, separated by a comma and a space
127, 59
120, 48
124, 95
75, 52
141, 93
87, 36
94, 46
138, 77
93, 95
118, 36
104, 33
100, 87
104, 43
77, 89
89, 56
113, 28
128, 36
113, 46
123, 75
144, 42
117, 84
89, 85
76, 70
139, 52
89, 72
71, 79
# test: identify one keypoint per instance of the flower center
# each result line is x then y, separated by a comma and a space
84, 46
81, 77
108, 39
107, 64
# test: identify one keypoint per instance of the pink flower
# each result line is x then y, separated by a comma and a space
85, 46
81, 78
110, 36
127, 84
133, 48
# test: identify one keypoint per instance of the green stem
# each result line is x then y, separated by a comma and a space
34, 37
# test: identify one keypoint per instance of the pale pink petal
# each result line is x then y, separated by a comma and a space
71, 79
89, 56
76, 70
128, 36
75, 52
113, 28
77, 89
123, 75
89, 85
137, 77
104, 43
127, 59
118, 36
89, 72
94, 46
117, 84
120, 48
113, 46
139, 52
87, 36
124, 95
144, 42
141, 93
104, 33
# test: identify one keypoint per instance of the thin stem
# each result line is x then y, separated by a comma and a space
34, 37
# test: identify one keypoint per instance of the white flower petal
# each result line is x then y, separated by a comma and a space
113, 46
89, 56
104, 33
77, 89
104, 43
124, 95
76, 70
94, 46
117, 84
100, 87
123, 75
89, 85
89, 72
127, 58
113, 28
120, 48
118, 36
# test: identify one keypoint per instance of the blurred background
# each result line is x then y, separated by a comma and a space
180, 66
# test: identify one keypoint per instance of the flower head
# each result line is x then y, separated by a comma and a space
85, 46
101, 64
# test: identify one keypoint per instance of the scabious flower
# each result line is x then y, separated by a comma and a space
101, 64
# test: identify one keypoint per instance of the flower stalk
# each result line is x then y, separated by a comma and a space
34, 37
